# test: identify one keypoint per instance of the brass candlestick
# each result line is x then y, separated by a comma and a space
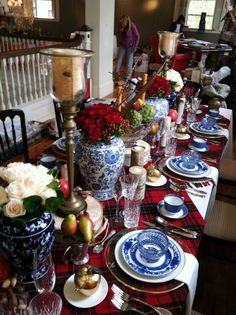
66, 68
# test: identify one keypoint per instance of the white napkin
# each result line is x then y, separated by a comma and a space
203, 204
189, 275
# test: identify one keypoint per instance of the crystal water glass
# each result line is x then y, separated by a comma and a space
48, 303
129, 185
117, 195
44, 275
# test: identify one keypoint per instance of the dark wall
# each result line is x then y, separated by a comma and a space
72, 17
147, 21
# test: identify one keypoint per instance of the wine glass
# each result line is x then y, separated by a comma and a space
43, 272
117, 195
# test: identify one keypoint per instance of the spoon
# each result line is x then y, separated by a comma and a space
166, 223
99, 247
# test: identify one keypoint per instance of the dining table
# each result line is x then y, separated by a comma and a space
176, 294
202, 49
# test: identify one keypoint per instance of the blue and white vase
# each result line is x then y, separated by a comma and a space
20, 242
100, 165
161, 106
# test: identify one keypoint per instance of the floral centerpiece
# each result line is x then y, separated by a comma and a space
101, 122
30, 191
28, 196
100, 150
160, 88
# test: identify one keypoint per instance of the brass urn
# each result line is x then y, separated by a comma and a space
215, 104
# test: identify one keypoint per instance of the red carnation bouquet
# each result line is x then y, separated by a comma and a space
101, 122
160, 88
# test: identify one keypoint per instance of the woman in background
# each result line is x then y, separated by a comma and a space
178, 25
128, 40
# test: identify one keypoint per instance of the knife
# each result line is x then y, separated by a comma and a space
174, 231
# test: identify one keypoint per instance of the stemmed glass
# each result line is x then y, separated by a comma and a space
117, 195
43, 272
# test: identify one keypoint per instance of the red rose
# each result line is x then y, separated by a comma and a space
94, 133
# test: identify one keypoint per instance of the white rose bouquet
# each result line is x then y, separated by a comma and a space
29, 191
175, 78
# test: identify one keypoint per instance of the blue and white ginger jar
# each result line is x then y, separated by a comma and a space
100, 165
161, 106
20, 242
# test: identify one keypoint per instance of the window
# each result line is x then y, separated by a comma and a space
213, 9
194, 10
45, 9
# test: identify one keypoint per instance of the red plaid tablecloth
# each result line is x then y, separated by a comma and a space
174, 300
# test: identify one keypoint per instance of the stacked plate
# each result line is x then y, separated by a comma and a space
61, 143
130, 261
175, 164
214, 130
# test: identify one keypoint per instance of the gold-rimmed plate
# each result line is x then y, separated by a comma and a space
128, 281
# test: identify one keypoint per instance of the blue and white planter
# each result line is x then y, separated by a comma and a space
161, 106
19, 243
100, 165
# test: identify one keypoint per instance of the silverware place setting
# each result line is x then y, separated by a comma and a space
122, 298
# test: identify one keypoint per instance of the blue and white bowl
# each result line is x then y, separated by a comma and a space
152, 244
173, 203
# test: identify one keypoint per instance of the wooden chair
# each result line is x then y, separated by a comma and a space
13, 135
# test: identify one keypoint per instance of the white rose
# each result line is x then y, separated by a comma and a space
3, 195
47, 193
14, 208
15, 190
175, 76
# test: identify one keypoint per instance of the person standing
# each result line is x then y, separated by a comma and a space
128, 41
178, 25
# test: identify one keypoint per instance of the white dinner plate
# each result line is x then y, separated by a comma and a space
79, 300
141, 277
160, 182
216, 130
171, 168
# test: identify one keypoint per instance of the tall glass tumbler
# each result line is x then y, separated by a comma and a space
129, 185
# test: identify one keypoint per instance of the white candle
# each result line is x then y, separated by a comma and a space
181, 107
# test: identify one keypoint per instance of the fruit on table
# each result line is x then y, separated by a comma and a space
154, 128
173, 114
86, 226
69, 224
152, 173
64, 185
87, 280
135, 118
148, 113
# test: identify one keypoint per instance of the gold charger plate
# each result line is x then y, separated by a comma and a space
126, 280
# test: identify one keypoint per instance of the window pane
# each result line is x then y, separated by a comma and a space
195, 8
44, 9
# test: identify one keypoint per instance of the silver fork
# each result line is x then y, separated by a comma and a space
124, 306
127, 297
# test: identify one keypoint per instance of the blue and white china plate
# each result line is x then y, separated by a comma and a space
129, 260
61, 143
197, 126
184, 173
192, 147
179, 215
177, 163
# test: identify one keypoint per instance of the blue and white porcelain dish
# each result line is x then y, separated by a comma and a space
197, 126
61, 143
184, 173
162, 267
199, 169
179, 215
192, 147
175, 254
